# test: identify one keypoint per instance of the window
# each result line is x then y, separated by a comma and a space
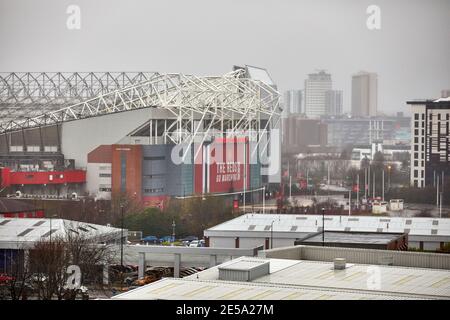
416, 116
155, 158
416, 163
416, 124
104, 189
104, 175
25, 232
50, 149
416, 140
33, 148
16, 148
416, 173
416, 148
154, 190
416, 132
416, 155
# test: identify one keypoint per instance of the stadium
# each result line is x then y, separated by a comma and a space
148, 135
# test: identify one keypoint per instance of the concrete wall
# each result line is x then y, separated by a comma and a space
363, 256
80, 137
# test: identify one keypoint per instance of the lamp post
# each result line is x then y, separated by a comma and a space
264, 199
121, 236
173, 231
389, 178
323, 227
271, 235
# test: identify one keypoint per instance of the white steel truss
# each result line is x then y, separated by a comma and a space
232, 103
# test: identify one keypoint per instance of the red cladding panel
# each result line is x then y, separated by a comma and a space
47, 177
226, 166
5, 177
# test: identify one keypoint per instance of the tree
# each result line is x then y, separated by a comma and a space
48, 262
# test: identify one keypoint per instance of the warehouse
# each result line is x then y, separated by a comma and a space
275, 230
18, 235
280, 279
369, 240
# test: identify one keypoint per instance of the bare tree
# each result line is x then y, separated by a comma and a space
49, 262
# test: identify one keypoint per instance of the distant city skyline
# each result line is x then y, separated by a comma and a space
290, 38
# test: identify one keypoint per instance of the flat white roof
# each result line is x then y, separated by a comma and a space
16, 232
254, 222
304, 280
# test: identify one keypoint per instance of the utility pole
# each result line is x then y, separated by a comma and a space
382, 184
440, 208
368, 182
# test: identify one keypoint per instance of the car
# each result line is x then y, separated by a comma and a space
166, 239
150, 239
197, 243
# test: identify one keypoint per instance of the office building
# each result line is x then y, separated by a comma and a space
316, 86
364, 94
430, 142
333, 102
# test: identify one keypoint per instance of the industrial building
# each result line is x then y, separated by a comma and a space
364, 131
281, 230
250, 278
66, 135
369, 240
12, 208
430, 142
18, 235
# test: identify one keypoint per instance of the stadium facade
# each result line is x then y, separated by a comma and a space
146, 134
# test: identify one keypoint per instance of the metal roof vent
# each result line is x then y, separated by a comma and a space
244, 270
339, 263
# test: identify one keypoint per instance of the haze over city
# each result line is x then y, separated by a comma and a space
290, 38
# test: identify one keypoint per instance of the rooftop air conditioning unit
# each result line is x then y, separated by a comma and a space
339, 263
18, 194
74, 196
247, 269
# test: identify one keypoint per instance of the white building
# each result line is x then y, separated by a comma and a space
249, 278
315, 87
430, 147
364, 94
292, 103
281, 230
333, 102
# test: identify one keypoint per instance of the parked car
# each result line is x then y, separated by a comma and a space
150, 239
187, 240
166, 239
197, 243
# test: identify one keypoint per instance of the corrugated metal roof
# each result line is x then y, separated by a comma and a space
310, 223
17, 231
305, 280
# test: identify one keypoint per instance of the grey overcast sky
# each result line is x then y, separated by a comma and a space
291, 38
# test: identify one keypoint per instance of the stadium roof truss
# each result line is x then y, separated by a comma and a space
232, 102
